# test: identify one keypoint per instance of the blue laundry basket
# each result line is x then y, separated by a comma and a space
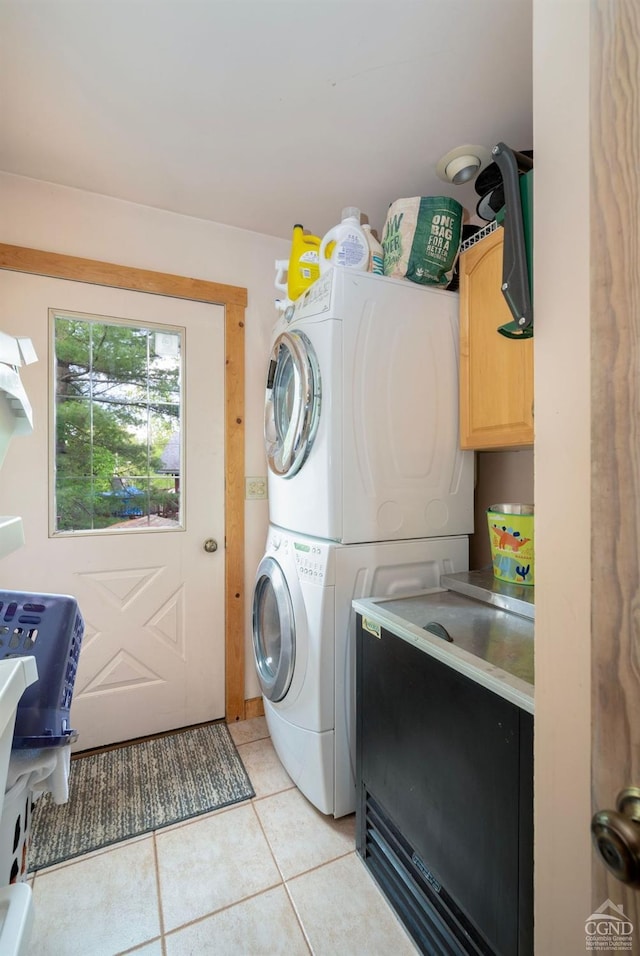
50, 628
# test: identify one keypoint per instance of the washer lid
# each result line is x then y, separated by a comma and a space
292, 403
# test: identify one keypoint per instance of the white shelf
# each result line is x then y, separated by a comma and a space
16, 415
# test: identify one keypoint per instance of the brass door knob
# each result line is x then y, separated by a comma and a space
616, 835
210, 545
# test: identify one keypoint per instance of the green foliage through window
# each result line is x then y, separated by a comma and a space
117, 414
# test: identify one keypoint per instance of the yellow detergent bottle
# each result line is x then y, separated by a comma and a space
304, 262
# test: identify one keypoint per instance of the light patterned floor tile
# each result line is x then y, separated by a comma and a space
88, 856
300, 836
100, 906
151, 949
212, 863
343, 911
265, 924
244, 731
264, 768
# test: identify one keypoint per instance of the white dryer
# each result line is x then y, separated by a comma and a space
361, 413
303, 637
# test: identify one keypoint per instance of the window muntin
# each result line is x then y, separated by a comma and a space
117, 425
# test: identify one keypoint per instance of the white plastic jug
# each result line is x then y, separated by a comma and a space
282, 285
282, 268
350, 248
376, 253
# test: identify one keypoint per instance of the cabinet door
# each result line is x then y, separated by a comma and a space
496, 373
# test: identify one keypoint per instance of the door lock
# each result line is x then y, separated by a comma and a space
616, 835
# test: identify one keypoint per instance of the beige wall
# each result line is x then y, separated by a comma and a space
500, 477
73, 222
562, 470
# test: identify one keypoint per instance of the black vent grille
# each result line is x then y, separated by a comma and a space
430, 915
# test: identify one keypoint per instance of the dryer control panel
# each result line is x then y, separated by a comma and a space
316, 299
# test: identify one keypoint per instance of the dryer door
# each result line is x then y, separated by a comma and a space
274, 639
292, 403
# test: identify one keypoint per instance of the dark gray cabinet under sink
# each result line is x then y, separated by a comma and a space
445, 763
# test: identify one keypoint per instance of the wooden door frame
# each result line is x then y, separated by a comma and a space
234, 301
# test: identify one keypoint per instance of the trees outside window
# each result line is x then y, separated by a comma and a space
117, 406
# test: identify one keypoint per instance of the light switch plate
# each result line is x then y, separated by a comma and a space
255, 488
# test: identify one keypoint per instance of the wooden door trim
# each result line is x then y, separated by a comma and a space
234, 300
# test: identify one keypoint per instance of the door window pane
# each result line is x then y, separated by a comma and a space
117, 425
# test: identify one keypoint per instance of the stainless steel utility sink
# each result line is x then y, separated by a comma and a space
492, 634
478, 614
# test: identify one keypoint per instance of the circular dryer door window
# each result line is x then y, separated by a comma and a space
292, 403
273, 630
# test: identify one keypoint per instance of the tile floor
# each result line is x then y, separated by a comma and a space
267, 876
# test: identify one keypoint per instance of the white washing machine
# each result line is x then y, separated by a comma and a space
303, 641
361, 413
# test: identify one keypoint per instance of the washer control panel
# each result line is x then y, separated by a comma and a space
311, 560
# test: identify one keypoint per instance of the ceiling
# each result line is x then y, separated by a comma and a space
260, 113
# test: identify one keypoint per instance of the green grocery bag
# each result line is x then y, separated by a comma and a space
421, 239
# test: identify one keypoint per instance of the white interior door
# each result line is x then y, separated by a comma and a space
152, 597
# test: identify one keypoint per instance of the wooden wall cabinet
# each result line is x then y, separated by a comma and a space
496, 373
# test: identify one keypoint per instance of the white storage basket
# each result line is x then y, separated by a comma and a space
16, 907
15, 826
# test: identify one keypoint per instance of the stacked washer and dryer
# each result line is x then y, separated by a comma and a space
369, 495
